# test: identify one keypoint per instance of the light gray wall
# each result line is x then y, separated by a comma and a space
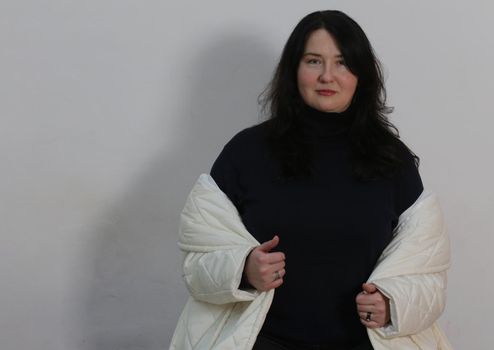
109, 110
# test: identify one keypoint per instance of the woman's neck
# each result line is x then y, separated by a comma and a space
325, 124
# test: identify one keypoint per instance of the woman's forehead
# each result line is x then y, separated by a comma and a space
321, 42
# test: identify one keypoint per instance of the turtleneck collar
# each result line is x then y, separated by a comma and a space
324, 125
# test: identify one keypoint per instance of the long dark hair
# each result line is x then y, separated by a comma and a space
376, 150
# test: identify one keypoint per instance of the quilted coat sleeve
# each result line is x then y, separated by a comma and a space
412, 269
416, 302
216, 245
214, 277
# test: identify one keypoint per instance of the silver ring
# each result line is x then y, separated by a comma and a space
277, 275
368, 317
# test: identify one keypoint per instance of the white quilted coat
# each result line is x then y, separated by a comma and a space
411, 272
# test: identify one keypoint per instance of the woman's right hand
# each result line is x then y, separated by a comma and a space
265, 270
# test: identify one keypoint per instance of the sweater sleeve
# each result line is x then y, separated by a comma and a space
226, 174
408, 184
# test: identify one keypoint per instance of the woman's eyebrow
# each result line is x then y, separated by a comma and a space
319, 55
312, 54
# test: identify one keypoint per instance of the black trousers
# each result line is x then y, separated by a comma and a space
266, 342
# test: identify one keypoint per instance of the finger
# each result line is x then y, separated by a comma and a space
370, 324
369, 288
271, 284
366, 308
275, 257
267, 269
278, 274
275, 276
366, 299
270, 274
275, 284
277, 267
369, 317
269, 245
377, 306
376, 317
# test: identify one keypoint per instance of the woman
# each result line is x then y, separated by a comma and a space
324, 184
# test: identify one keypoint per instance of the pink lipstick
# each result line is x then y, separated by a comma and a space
326, 92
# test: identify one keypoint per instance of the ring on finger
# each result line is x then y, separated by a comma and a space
276, 275
368, 317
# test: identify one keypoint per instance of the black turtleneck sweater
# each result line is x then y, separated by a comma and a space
332, 227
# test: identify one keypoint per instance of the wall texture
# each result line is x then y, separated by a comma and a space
109, 110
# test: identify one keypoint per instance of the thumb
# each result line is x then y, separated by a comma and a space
268, 245
369, 288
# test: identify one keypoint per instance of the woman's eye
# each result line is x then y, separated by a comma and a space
313, 61
341, 63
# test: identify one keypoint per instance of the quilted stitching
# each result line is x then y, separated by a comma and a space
218, 315
411, 272
211, 232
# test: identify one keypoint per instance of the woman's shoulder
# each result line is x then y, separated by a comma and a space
407, 158
253, 136
239, 156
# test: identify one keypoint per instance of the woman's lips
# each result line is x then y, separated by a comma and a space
325, 92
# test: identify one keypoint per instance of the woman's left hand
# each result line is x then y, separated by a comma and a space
372, 306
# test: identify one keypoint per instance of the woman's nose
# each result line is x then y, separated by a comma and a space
326, 74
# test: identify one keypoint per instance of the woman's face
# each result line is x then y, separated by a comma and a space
324, 81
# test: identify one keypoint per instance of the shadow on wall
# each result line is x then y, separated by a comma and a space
136, 293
